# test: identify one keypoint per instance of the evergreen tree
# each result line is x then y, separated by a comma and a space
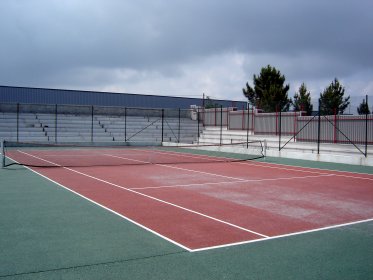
363, 108
302, 100
331, 99
269, 92
209, 103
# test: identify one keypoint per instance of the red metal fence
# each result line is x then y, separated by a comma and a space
333, 129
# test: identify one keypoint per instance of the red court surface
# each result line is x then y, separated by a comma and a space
205, 205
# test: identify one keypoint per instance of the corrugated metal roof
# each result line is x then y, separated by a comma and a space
10, 94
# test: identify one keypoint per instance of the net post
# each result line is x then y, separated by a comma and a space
2, 163
265, 148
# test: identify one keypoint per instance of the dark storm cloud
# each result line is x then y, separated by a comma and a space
45, 42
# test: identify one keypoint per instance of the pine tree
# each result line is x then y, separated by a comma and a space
209, 103
269, 92
363, 108
331, 99
302, 100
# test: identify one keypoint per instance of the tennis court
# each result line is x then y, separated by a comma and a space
181, 209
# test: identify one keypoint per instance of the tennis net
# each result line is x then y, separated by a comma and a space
105, 154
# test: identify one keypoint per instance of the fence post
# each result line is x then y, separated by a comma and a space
203, 114
335, 125
125, 124
162, 123
55, 123
253, 120
178, 132
243, 118
248, 124
279, 130
215, 116
221, 124
276, 120
227, 111
295, 124
198, 125
92, 124
318, 130
17, 122
366, 126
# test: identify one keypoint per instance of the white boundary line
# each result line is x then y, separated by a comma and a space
282, 236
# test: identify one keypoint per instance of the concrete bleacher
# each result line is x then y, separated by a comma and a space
41, 127
137, 128
29, 128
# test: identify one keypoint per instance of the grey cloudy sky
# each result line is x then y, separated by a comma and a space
186, 48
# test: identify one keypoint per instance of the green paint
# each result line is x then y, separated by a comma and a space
320, 165
44, 226
48, 232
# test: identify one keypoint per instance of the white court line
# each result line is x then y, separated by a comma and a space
153, 198
282, 236
180, 168
235, 182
